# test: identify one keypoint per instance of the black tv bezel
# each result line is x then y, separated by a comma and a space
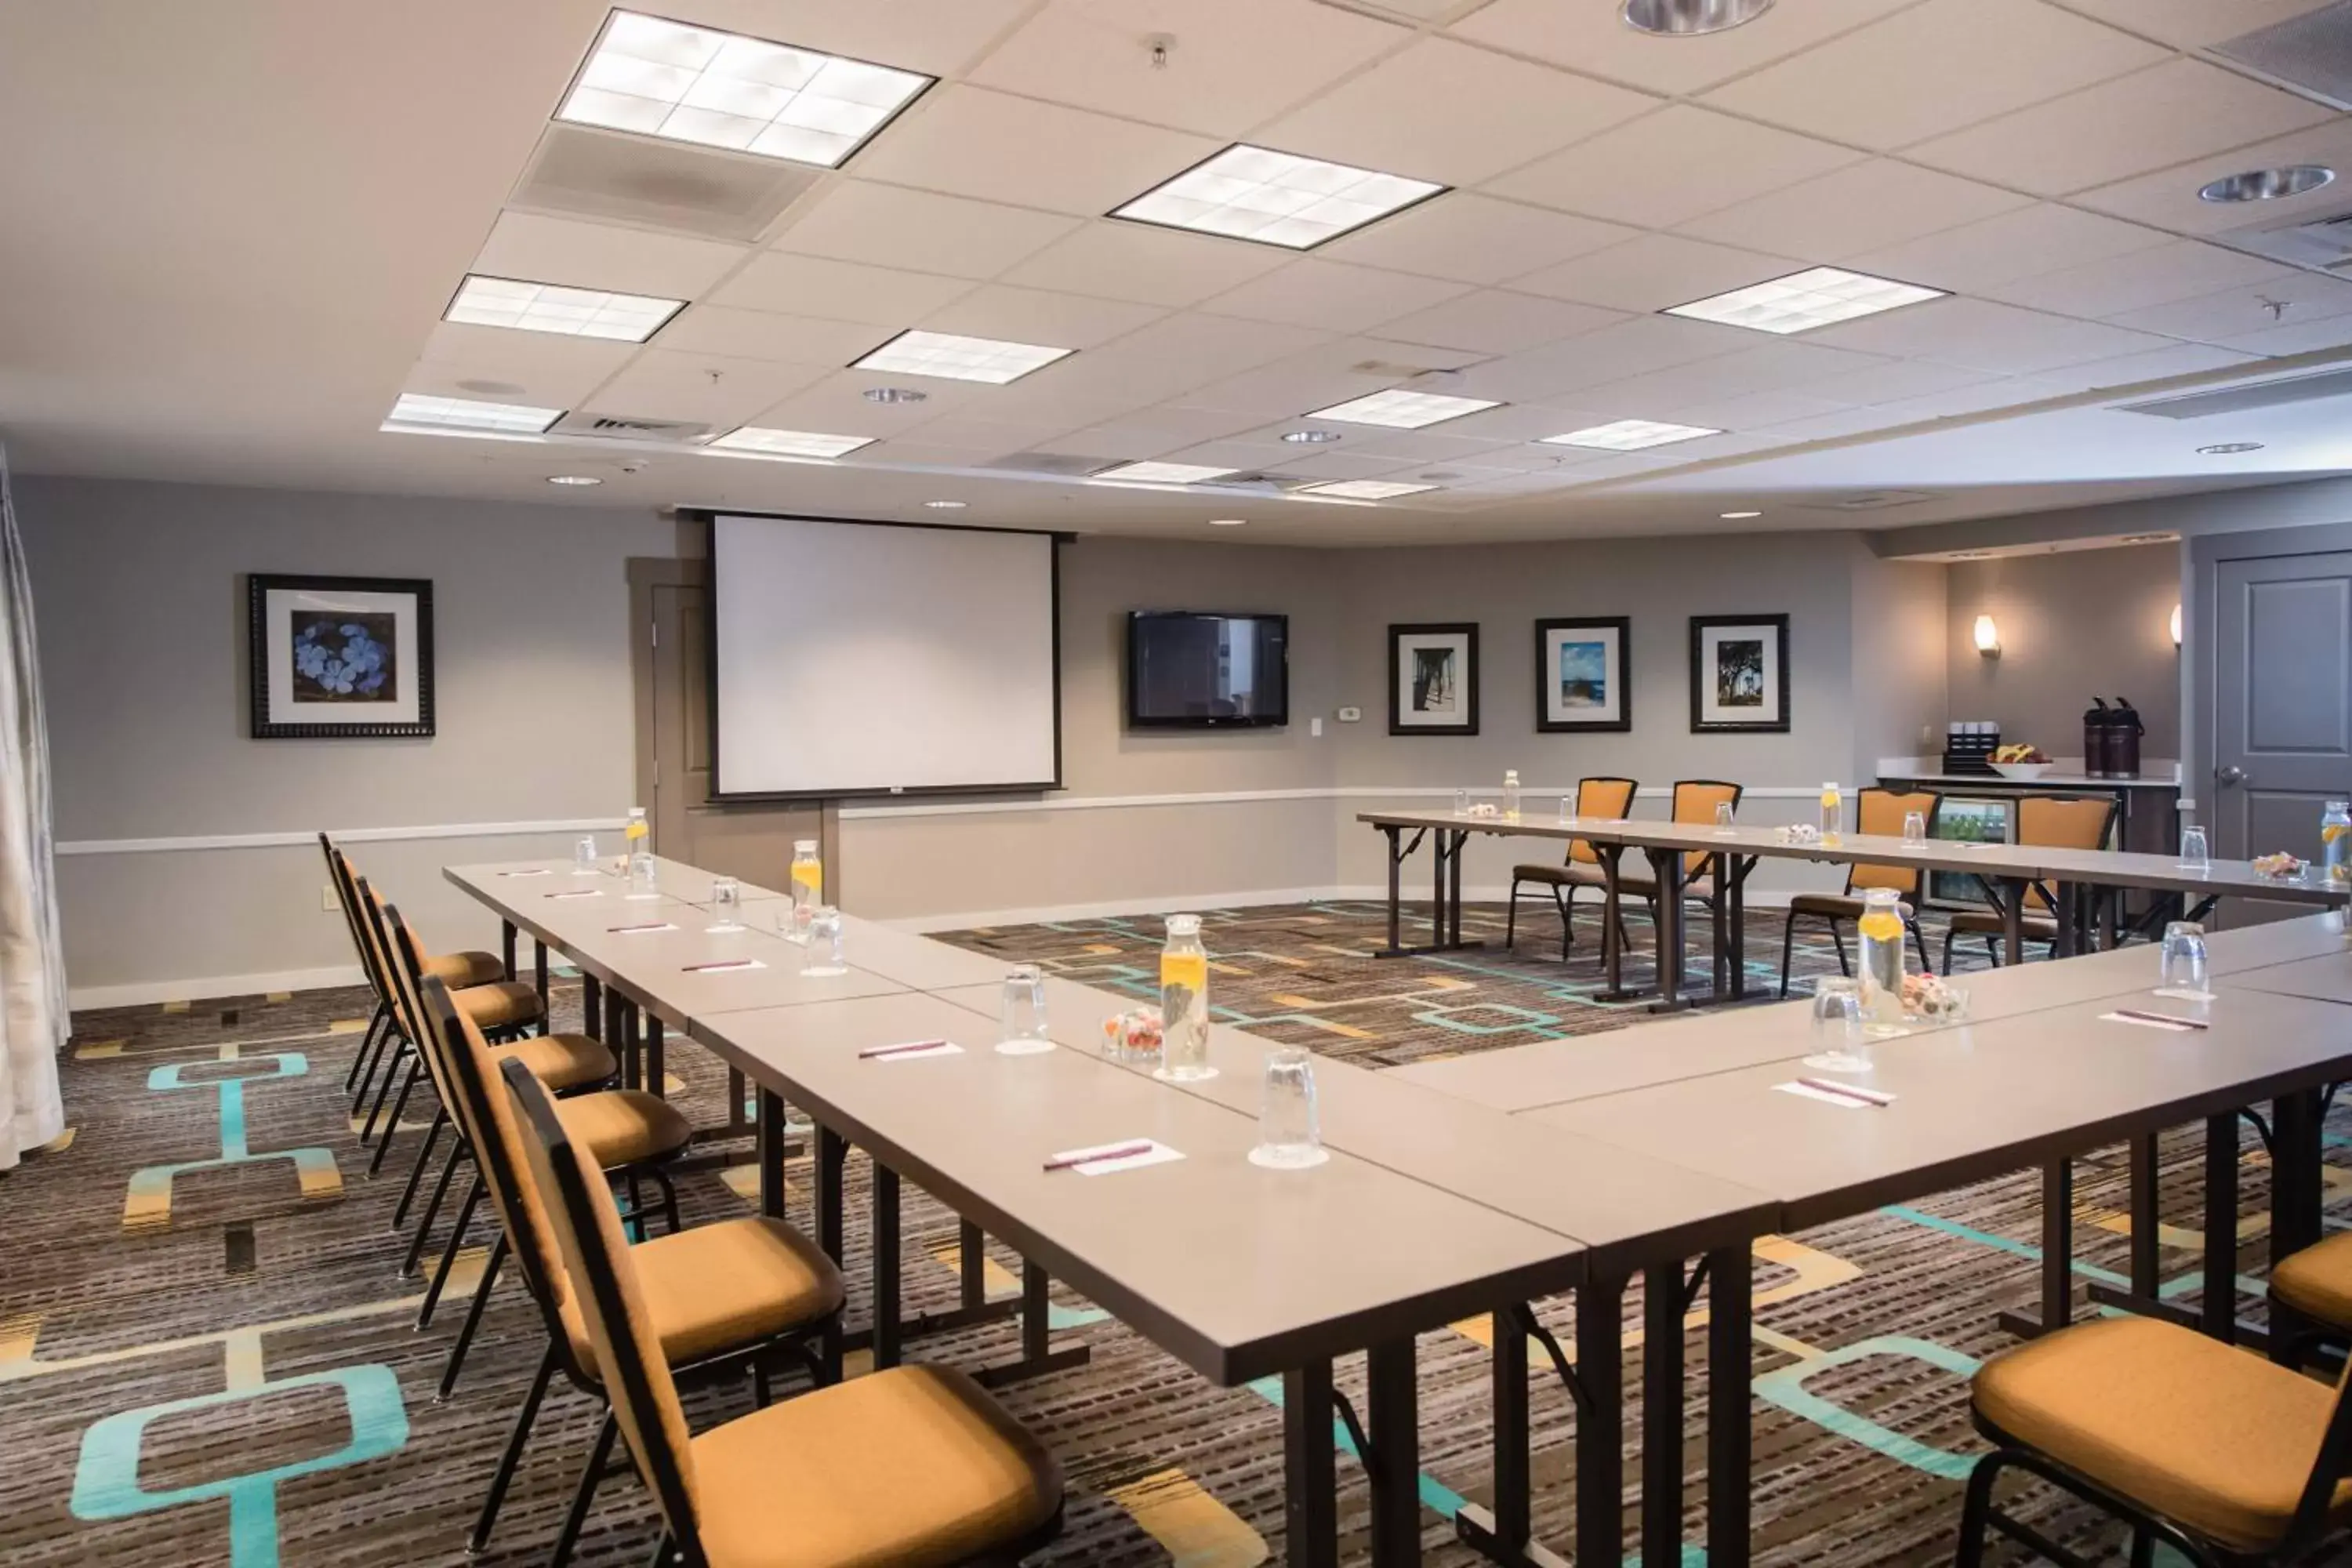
1135, 618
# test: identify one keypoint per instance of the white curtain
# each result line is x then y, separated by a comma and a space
34, 1016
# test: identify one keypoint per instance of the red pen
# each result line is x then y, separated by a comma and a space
1117, 1151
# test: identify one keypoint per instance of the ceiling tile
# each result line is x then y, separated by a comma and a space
1474, 238
1653, 272
1522, 423
1330, 295
1933, 69
1036, 316
970, 432
1405, 116
552, 370
1329, 464
934, 37
856, 220
1894, 381
1241, 455
1114, 260
1494, 322
1978, 334
1595, 40
1322, 376
722, 391
2194, 24
974, 142
1152, 433
1441, 445
2291, 338
2156, 365
764, 335
2153, 118
839, 290
2182, 269
2233, 313
1172, 355
1612, 354
1235, 64
2168, 199
1864, 207
837, 404
544, 250
1715, 161
1777, 366
1755, 411
2026, 243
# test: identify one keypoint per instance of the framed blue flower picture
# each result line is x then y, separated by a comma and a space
340, 658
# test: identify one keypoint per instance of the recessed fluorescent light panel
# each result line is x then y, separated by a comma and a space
1630, 435
724, 89
1274, 198
958, 359
1163, 473
414, 410
789, 443
547, 308
1402, 410
1818, 297
1365, 489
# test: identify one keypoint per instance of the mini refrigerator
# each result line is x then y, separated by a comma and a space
1969, 819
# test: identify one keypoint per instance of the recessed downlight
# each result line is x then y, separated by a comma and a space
1309, 438
893, 395
2268, 184
574, 480
1690, 19
2230, 449
1228, 521
946, 505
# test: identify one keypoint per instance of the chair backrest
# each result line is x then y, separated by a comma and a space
628, 1351
2064, 822
1879, 813
347, 881
337, 879
1609, 799
1695, 803
399, 979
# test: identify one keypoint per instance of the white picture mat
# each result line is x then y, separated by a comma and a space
277, 609
864, 659
1714, 711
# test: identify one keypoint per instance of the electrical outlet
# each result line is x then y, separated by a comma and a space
326, 900
1349, 715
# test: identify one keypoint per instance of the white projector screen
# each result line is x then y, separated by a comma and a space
854, 658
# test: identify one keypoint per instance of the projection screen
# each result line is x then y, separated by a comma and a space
853, 658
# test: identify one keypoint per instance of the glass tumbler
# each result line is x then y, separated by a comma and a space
1022, 1014
583, 857
1289, 1137
2183, 961
1837, 1027
726, 905
641, 877
2196, 851
1461, 803
1726, 818
824, 960
1914, 828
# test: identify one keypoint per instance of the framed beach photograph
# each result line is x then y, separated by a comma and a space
340, 657
1738, 673
1434, 680
1582, 680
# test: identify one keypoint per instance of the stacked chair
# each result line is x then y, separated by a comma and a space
1879, 813
1606, 799
2049, 822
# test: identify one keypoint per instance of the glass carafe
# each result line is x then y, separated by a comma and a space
1185, 1003
2336, 844
807, 884
1833, 810
1881, 963
640, 840
1511, 795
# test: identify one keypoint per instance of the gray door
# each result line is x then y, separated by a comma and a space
2283, 701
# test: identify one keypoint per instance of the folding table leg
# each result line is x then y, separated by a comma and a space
772, 1154
886, 1261
2296, 1221
592, 1006
1662, 1415
657, 1064
2146, 1221
1310, 1470
1667, 865
2057, 1256
2220, 1316
972, 1257
1394, 1462
539, 971
831, 1154
1601, 1422
2012, 921
1730, 1285
506, 947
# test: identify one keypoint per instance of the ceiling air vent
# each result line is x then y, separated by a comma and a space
2312, 52
691, 190
2324, 242
619, 427
2239, 399
1870, 500
1060, 463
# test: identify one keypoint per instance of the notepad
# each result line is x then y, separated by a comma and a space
1844, 1099
910, 1051
1152, 1152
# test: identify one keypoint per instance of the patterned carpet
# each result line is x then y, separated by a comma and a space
206, 1356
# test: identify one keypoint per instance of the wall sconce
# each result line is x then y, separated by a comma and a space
1988, 637
2176, 626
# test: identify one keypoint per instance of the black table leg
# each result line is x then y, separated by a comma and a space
2220, 1316
2295, 1174
1310, 1470
1394, 1462
972, 1258
772, 1154
831, 1156
2145, 1264
2069, 913
887, 1263
1601, 1422
656, 1065
2057, 1256
1395, 836
539, 956
1662, 1415
507, 946
2012, 921
633, 1058
592, 1006
1667, 867
1612, 945
1731, 1284
1740, 867
1505, 1533
1454, 889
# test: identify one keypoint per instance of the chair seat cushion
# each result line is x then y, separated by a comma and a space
562, 1061
459, 970
2037, 928
500, 1005
625, 1126
914, 1467
2317, 1281
2210, 1436
724, 1287
1834, 906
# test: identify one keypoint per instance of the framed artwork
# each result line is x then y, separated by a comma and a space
1738, 673
1582, 680
340, 657
1434, 680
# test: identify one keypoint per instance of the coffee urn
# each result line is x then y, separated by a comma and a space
2096, 721
2124, 731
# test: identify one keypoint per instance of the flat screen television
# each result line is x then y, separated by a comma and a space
1190, 670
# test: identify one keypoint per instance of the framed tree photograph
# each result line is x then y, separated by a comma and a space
340, 657
1738, 674
1583, 681
1434, 680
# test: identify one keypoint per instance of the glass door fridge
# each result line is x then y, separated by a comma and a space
1969, 819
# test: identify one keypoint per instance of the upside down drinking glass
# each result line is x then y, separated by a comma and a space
1021, 1014
1289, 1134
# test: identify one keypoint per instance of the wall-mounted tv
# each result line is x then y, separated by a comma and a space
1187, 670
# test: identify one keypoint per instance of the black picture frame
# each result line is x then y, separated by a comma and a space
396, 618
1617, 716
1708, 710
1458, 639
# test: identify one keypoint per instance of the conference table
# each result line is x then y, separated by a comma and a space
1478, 1185
1667, 845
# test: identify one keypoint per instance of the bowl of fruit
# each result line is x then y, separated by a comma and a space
2020, 762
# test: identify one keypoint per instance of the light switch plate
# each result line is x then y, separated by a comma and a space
327, 898
1314, 725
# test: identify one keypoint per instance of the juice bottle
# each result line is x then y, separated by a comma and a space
1833, 810
1881, 963
1511, 795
